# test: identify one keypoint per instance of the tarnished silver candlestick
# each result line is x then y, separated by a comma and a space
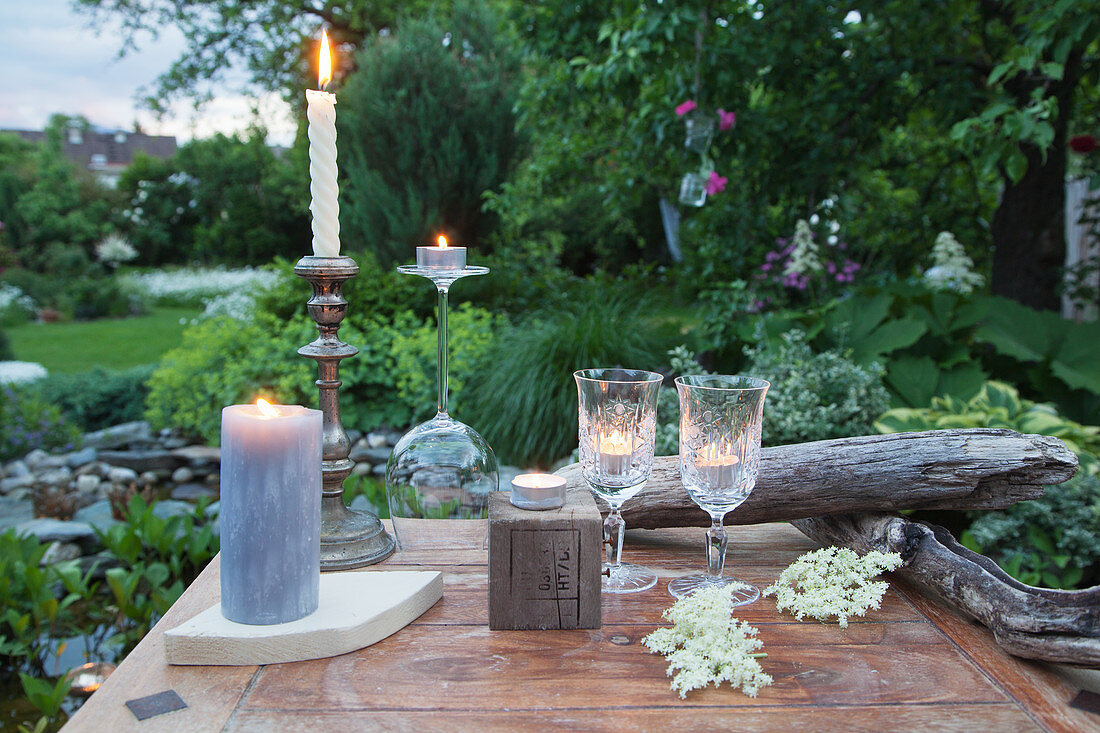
349, 539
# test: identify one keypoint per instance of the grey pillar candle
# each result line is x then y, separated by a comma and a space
270, 513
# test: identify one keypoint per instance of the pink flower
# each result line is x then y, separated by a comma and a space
716, 183
686, 107
726, 120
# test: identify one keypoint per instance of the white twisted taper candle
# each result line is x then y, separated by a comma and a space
325, 205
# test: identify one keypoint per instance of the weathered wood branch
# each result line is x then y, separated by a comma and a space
1036, 623
977, 468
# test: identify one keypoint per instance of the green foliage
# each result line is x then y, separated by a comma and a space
998, 405
44, 695
815, 396
5, 347
97, 398
219, 200
36, 601
428, 126
524, 400
1052, 541
159, 559
28, 422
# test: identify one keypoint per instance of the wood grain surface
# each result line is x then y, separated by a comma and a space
912, 665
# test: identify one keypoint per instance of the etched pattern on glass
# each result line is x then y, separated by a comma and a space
720, 448
616, 446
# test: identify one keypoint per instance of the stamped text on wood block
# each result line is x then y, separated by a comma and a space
544, 566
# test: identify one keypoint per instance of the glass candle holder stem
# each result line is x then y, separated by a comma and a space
717, 540
614, 529
441, 374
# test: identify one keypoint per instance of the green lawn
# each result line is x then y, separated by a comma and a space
113, 343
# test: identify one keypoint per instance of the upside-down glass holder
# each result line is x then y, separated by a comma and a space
441, 470
721, 420
349, 538
617, 416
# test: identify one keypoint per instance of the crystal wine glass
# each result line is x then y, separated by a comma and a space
720, 426
618, 428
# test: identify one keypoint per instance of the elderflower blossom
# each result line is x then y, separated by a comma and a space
951, 268
706, 644
833, 583
114, 250
804, 260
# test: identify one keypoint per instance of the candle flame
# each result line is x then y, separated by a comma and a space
266, 409
324, 62
442, 241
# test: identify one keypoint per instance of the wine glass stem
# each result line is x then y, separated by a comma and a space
613, 530
717, 539
441, 351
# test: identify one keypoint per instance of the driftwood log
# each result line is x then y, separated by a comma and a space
836, 491
1036, 623
976, 468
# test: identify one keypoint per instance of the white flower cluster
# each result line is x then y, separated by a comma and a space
833, 583
706, 644
115, 250
804, 259
13, 297
21, 372
198, 283
951, 268
240, 306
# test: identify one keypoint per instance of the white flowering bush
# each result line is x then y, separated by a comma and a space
706, 644
951, 267
833, 583
196, 285
21, 372
114, 250
15, 305
804, 260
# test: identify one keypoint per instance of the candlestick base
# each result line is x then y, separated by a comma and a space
349, 539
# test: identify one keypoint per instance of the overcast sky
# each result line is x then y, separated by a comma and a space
53, 61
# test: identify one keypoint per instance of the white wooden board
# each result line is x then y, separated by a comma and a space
356, 609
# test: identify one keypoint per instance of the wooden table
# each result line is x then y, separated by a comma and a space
911, 665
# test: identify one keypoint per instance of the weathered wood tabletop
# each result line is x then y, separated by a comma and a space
913, 664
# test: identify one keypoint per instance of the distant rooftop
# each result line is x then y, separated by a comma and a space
104, 151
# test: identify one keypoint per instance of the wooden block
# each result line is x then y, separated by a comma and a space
544, 566
356, 610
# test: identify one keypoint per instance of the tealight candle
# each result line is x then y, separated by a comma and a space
270, 512
442, 256
538, 491
615, 454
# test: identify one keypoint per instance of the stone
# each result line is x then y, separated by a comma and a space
200, 455
119, 435
35, 458
142, 460
20, 494
214, 479
377, 455
506, 474
16, 468
15, 510
96, 468
173, 443
81, 457
98, 515
193, 492
354, 436
60, 552
96, 566
55, 477
376, 440
58, 530
16, 482
362, 504
359, 453
182, 475
392, 438
168, 508
149, 477
379, 470
120, 475
213, 509
87, 483
361, 469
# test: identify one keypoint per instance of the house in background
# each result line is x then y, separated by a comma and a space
103, 151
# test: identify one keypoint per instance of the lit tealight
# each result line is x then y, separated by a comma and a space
538, 491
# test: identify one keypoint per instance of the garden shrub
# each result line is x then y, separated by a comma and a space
815, 396
6, 353
524, 399
1052, 541
28, 422
98, 398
